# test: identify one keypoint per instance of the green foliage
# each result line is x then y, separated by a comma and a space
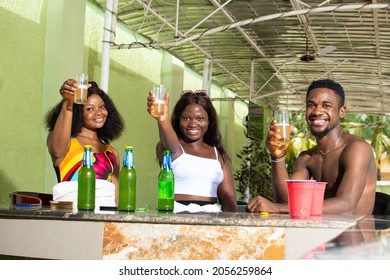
254, 176
375, 130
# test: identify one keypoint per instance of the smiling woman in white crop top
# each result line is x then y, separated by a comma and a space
197, 176
200, 164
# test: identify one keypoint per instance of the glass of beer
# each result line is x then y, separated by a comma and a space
159, 103
282, 118
80, 96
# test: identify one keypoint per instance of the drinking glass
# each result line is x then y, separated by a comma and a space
283, 124
81, 94
158, 105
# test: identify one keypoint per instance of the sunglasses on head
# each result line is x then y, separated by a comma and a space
197, 93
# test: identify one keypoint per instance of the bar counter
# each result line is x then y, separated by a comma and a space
112, 235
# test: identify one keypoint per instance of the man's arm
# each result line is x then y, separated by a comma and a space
279, 175
278, 163
358, 163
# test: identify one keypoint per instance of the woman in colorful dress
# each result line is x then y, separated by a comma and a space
71, 126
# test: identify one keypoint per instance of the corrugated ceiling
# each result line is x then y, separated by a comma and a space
269, 51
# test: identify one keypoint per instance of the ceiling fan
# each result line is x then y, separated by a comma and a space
310, 57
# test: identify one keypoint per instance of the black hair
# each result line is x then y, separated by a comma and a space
212, 136
112, 128
330, 84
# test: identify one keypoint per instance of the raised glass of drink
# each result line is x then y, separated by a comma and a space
283, 124
159, 103
81, 96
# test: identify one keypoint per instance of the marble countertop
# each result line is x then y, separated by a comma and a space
350, 237
156, 217
368, 239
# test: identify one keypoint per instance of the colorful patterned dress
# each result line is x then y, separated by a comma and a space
103, 163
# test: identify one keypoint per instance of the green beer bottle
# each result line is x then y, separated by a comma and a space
127, 182
86, 182
166, 184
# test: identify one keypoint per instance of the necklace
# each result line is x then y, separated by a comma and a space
327, 151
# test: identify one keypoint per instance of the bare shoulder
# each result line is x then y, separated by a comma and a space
224, 160
175, 150
357, 148
353, 143
114, 151
307, 153
116, 154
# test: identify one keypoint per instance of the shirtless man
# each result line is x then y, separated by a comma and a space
346, 162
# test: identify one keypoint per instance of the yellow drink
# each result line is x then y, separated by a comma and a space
284, 132
158, 108
80, 96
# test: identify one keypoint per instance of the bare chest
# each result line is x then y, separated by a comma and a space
204, 151
97, 145
326, 168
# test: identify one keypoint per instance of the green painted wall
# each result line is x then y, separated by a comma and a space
22, 164
44, 42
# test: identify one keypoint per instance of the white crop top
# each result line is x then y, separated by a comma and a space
197, 175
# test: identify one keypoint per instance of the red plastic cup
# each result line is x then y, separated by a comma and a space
300, 195
318, 199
